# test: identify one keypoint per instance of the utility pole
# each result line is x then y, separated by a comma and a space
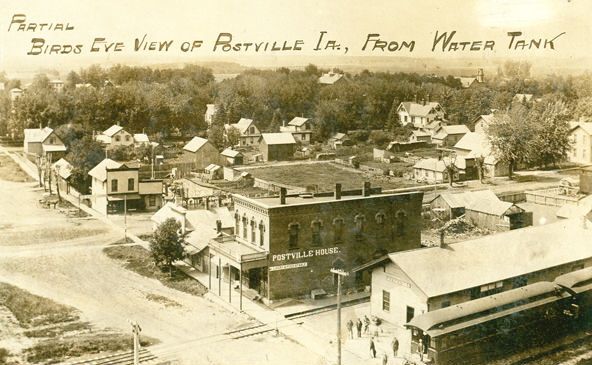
136, 331
339, 274
125, 218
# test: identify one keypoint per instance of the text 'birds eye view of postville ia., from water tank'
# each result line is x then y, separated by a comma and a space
330, 183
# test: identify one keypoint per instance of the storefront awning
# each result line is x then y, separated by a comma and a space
115, 198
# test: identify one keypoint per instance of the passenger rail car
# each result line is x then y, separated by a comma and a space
487, 328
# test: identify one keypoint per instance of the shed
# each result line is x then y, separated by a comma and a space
232, 157
277, 146
497, 215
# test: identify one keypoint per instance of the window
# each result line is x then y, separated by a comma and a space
386, 301
293, 230
151, 200
486, 290
261, 233
236, 223
253, 226
117, 138
359, 220
114, 185
379, 217
315, 228
338, 230
410, 313
245, 223
127, 138
400, 223
51, 140
252, 131
130, 184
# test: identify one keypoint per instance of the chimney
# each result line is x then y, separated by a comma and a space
366, 189
283, 193
338, 191
219, 226
283, 123
40, 125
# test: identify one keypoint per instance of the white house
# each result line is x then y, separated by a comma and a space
419, 114
300, 128
115, 136
43, 142
249, 133
581, 137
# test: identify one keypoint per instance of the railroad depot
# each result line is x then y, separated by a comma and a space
285, 246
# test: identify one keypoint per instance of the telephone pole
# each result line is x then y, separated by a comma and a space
136, 331
339, 274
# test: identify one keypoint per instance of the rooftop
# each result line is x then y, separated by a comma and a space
195, 144
298, 121
330, 78
37, 134
99, 172
278, 138
112, 130
496, 257
417, 109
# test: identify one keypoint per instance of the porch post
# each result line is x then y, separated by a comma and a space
219, 276
240, 278
229, 283
209, 271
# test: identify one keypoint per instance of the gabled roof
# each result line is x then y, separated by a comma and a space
195, 144
63, 167
169, 210
586, 126
141, 138
339, 136
298, 121
330, 78
37, 135
419, 110
487, 118
278, 138
466, 81
229, 152
461, 200
522, 97
243, 125
492, 206
493, 258
99, 172
453, 129
112, 130
420, 133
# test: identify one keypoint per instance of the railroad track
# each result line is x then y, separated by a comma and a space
122, 358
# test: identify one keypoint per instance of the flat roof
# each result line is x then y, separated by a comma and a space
274, 202
468, 264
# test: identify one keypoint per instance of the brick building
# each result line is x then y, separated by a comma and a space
285, 246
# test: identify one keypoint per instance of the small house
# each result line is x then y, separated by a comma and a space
448, 135
300, 128
340, 139
482, 122
420, 136
232, 157
419, 115
434, 171
581, 137
63, 171
201, 152
497, 215
331, 78
277, 146
213, 172
141, 139
249, 133
43, 142
115, 136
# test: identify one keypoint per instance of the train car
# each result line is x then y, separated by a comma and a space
579, 284
490, 327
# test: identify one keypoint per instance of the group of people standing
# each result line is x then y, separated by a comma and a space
363, 326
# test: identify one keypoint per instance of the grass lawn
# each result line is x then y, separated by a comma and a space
138, 259
324, 176
31, 310
59, 349
10, 171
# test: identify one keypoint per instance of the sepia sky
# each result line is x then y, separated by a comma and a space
346, 21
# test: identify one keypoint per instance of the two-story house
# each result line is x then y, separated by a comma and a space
43, 142
249, 133
116, 186
300, 128
420, 115
201, 153
115, 136
581, 137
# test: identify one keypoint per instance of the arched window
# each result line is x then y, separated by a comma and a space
380, 218
261, 233
338, 230
315, 228
236, 223
253, 226
245, 224
360, 221
293, 230
400, 223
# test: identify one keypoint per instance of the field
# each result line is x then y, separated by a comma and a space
324, 176
10, 171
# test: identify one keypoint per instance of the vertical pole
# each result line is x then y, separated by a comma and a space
338, 319
136, 332
125, 218
240, 284
210, 272
219, 276
229, 283
79, 207
152, 163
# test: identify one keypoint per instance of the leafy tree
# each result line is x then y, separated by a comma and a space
216, 135
274, 125
510, 136
232, 136
167, 244
71, 132
84, 154
551, 143
393, 122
